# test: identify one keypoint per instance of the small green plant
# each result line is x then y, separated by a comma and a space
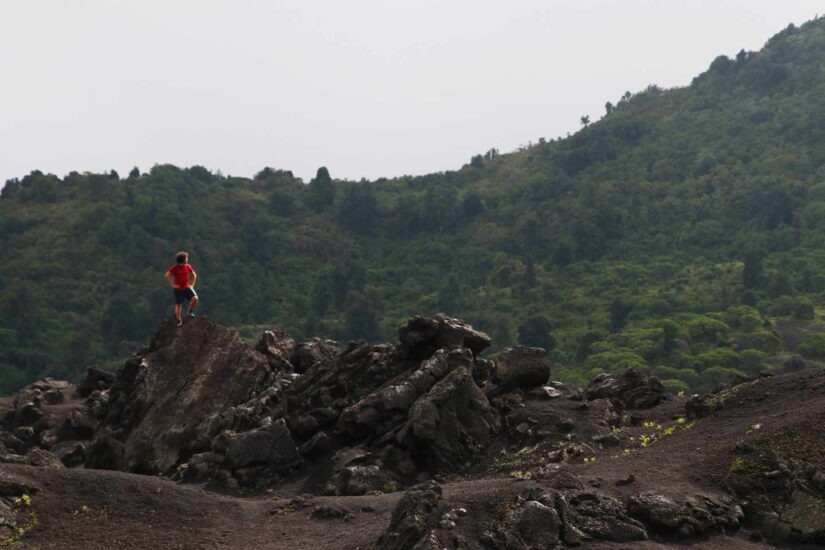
23, 506
88, 511
389, 487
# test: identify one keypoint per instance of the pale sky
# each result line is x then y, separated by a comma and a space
366, 88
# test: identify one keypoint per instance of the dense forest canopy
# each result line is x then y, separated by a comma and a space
673, 234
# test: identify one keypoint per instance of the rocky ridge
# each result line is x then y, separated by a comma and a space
198, 405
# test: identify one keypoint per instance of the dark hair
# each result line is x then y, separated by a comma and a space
182, 257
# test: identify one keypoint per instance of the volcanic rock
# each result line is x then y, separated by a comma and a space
522, 367
632, 388
161, 401
422, 336
95, 379
413, 518
270, 445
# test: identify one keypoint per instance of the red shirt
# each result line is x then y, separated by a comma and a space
181, 274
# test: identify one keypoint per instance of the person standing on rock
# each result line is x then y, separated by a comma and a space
179, 277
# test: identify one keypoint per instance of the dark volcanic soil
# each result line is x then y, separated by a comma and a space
81, 508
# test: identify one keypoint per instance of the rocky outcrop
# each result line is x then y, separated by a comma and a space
95, 379
160, 403
277, 346
449, 424
565, 517
199, 405
689, 516
631, 388
413, 519
422, 336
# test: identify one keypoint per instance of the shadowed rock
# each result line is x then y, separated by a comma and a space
413, 518
161, 400
95, 379
277, 346
522, 367
422, 336
634, 389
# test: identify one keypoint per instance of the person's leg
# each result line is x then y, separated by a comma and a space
178, 305
192, 303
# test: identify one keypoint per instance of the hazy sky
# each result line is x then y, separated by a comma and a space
366, 88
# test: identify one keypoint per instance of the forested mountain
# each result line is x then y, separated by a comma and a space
673, 234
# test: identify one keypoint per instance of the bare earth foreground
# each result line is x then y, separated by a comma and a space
203, 442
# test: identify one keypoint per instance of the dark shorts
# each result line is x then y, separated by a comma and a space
182, 294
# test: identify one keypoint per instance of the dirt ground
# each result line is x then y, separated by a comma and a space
78, 508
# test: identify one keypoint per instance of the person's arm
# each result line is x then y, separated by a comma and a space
194, 278
169, 279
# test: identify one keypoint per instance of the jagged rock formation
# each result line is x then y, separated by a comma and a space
197, 404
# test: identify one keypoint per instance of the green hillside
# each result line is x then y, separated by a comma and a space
675, 234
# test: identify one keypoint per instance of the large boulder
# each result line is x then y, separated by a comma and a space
449, 424
522, 367
531, 525
422, 336
312, 352
269, 445
687, 516
632, 388
105, 453
398, 396
163, 399
413, 519
567, 515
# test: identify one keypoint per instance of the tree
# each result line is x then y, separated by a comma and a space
585, 121
619, 312
472, 205
535, 331
669, 331
359, 208
451, 295
361, 317
321, 192
134, 173
752, 272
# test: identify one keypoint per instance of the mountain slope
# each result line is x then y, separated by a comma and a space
677, 202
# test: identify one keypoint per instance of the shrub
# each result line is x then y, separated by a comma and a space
704, 329
762, 340
813, 346
752, 360
719, 357
717, 375
804, 309
643, 342
749, 323
676, 386
613, 361
689, 377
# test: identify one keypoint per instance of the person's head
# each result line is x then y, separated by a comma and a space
182, 257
